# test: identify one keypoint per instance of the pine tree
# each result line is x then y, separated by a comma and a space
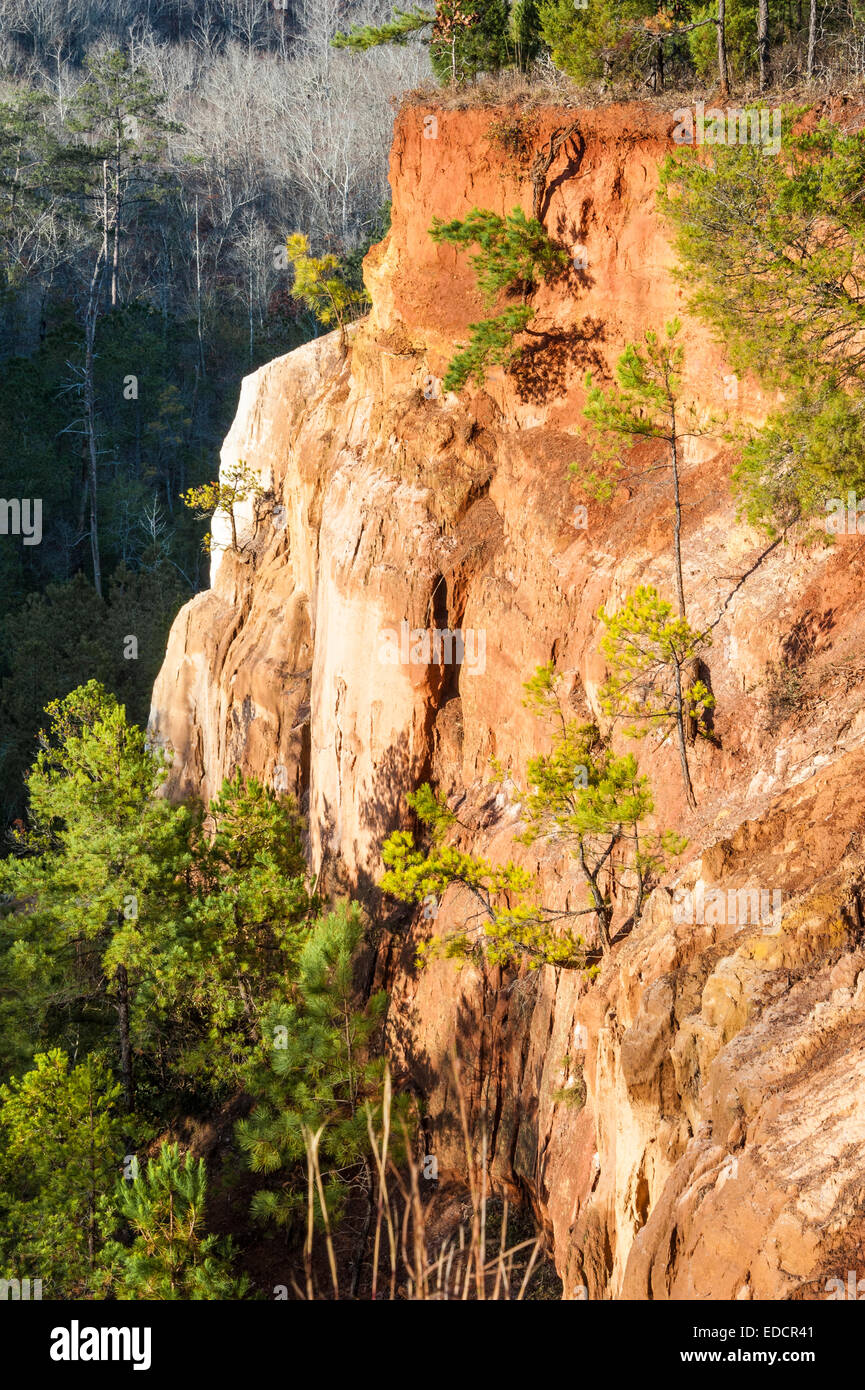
525, 32
322, 284
600, 39
120, 902
643, 645
170, 1257
581, 796
247, 920
594, 803
60, 1153
508, 924
91, 921
316, 1073
470, 37
466, 37
650, 654
119, 111
647, 404
239, 484
795, 320
112, 170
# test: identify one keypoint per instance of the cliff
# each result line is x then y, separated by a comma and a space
710, 1143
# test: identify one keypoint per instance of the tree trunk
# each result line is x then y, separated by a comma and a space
812, 38
641, 882
115, 253
115, 217
677, 522
601, 909
105, 212
85, 485
723, 70
658, 67
90, 417
122, 981
250, 275
763, 44
198, 290
680, 732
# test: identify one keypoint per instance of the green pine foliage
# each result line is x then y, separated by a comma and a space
134, 927
323, 284
581, 796
466, 37
768, 249
112, 99
491, 345
806, 454
404, 25
515, 255
239, 483
594, 803
246, 921
599, 40
89, 933
315, 1076
507, 922
470, 37
515, 252
650, 653
60, 1153
170, 1257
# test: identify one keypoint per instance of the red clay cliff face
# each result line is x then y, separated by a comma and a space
718, 1150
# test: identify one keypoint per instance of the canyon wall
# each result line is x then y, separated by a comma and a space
690, 1124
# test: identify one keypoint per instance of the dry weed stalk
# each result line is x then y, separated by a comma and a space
403, 1264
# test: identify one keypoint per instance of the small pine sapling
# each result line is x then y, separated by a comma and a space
583, 797
240, 482
651, 655
321, 283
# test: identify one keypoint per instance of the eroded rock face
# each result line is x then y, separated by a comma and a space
691, 1124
